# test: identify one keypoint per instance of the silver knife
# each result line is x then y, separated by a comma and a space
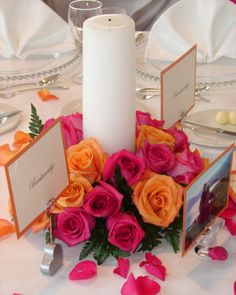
9, 114
208, 128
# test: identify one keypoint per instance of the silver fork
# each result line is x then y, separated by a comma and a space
11, 94
149, 93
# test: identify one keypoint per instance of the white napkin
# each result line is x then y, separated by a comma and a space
30, 27
211, 24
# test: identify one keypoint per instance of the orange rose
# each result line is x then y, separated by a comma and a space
158, 199
154, 136
74, 194
86, 158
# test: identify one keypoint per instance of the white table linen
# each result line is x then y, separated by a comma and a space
20, 259
30, 27
210, 24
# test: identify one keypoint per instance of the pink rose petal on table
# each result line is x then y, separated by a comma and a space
83, 270
123, 267
140, 286
235, 288
218, 253
147, 286
150, 259
130, 286
158, 271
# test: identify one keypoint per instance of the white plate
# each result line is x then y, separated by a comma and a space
219, 73
75, 106
8, 123
34, 67
201, 137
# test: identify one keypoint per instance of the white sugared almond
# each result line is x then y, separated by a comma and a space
222, 117
232, 118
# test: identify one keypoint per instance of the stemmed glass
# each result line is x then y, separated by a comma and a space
78, 12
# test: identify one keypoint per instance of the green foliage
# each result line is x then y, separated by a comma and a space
99, 246
35, 124
173, 232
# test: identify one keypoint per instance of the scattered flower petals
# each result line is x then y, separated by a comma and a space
123, 267
6, 227
147, 286
218, 253
140, 286
150, 259
158, 271
45, 95
83, 270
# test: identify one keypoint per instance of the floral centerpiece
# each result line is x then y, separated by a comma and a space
124, 202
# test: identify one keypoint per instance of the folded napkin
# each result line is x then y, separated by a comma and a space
30, 27
211, 24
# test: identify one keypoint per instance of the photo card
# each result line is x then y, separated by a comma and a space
205, 198
35, 175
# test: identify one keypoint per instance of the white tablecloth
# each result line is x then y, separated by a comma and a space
20, 259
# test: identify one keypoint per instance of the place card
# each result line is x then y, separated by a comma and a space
178, 88
35, 175
205, 198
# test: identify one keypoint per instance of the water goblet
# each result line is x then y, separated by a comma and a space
78, 12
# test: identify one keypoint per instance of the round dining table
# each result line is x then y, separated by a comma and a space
20, 259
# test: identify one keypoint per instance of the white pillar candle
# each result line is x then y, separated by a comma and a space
109, 81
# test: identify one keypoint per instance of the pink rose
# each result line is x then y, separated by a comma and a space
73, 226
72, 128
158, 157
131, 166
143, 118
124, 232
103, 200
188, 166
181, 139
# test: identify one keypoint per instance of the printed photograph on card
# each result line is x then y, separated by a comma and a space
205, 198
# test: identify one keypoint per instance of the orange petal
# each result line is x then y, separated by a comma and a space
45, 95
6, 154
20, 138
6, 227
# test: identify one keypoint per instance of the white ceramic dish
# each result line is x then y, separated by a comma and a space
219, 73
8, 123
34, 67
211, 139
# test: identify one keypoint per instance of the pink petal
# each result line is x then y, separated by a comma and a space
231, 225
123, 267
235, 288
150, 259
218, 253
130, 287
140, 286
147, 286
83, 270
158, 271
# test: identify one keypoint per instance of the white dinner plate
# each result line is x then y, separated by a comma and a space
15, 70
11, 122
211, 139
219, 73
75, 106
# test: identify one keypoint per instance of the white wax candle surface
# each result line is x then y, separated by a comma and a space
232, 118
109, 81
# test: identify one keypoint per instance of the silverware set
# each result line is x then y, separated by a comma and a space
149, 93
48, 82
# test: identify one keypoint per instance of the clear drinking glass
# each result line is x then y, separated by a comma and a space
78, 12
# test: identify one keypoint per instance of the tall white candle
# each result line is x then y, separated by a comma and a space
109, 81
